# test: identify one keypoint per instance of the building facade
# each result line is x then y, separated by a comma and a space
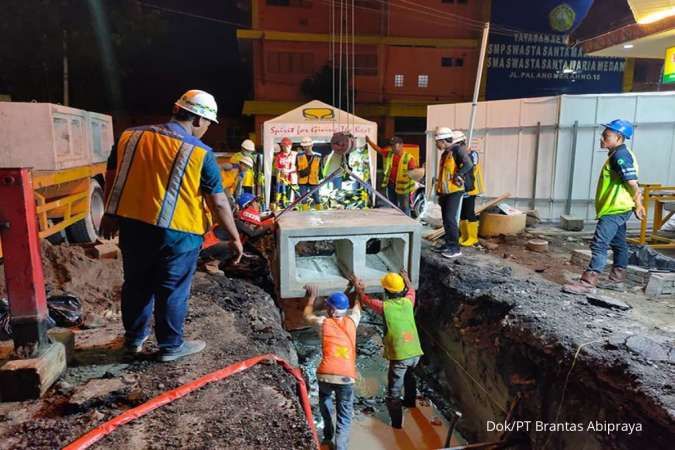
406, 56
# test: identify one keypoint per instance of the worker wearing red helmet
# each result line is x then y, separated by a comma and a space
336, 373
286, 170
401, 342
617, 197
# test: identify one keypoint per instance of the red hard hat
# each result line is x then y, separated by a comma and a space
286, 141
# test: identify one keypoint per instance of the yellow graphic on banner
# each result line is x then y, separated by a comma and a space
318, 113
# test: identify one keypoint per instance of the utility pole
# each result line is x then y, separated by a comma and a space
479, 75
66, 89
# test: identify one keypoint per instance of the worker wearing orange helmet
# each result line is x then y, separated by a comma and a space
163, 176
401, 342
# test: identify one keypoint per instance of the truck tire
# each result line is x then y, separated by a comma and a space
86, 230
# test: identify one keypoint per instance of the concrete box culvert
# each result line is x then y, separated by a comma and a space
368, 243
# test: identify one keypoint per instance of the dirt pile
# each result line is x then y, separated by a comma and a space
257, 408
69, 269
490, 336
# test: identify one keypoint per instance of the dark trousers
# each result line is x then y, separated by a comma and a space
305, 188
610, 232
400, 200
468, 211
156, 283
449, 204
344, 409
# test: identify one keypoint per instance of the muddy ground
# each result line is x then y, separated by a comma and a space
505, 333
258, 408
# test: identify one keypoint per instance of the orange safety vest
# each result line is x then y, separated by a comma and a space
338, 347
314, 165
446, 174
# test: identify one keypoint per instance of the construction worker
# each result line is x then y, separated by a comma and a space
617, 197
337, 371
246, 171
309, 170
286, 169
396, 182
401, 342
249, 219
468, 220
454, 170
163, 178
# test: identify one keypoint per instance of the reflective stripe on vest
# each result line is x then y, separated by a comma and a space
338, 342
446, 173
404, 184
611, 195
314, 168
158, 181
401, 341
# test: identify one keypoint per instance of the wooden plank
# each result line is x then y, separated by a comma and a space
24, 379
492, 203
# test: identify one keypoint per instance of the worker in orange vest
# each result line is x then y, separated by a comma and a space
337, 371
395, 180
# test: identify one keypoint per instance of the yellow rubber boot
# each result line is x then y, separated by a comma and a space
471, 234
463, 232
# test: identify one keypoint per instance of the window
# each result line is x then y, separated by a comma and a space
365, 64
295, 3
290, 62
423, 81
398, 80
447, 61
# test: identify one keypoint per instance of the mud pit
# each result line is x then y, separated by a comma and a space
491, 336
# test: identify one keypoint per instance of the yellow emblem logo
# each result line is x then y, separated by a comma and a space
318, 113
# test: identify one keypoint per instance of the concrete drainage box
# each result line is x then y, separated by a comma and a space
313, 246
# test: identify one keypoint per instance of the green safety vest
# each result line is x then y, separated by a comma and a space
401, 341
404, 184
612, 196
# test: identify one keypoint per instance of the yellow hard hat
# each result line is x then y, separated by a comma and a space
393, 282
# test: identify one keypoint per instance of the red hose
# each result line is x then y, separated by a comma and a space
167, 397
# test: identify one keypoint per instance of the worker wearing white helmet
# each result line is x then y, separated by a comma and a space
474, 186
164, 175
245, 174
453, 170
309, 170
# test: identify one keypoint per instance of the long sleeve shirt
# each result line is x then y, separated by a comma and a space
377, 306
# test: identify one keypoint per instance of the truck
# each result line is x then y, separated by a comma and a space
66, 149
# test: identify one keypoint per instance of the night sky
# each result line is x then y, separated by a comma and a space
144, 61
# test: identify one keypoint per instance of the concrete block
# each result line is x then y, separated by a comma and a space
106, 251
638, 275
571, 223
24, 379
368, 243
661, 284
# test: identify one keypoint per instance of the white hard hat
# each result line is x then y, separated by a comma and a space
200, 103
246, 160
360, 142
443, 133
306, 142
277, 148
458, 136
248, 145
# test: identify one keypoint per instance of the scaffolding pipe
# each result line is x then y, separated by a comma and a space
479, 76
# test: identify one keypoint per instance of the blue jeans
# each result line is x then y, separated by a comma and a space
610, 232
305, 188
400, 200
158, 281
344, 397
401, 375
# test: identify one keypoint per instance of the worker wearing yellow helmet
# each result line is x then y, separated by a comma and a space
162, 178
401, 342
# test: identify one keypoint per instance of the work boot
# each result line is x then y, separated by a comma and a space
132, 348
616, 280
396, 414
586, 285
451, 252
187, 348
469, 234
463, 232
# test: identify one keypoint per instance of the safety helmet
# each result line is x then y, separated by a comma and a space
245, 199
623, 127
246, 160
286, 142
200, 103
393, 282
458, 136
338, 300
306, 142
442, 133
395, 140
248, 145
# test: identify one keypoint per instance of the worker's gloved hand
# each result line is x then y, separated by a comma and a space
109, 227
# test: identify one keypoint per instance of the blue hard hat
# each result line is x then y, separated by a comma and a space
244, 199
624, 127
338, 300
